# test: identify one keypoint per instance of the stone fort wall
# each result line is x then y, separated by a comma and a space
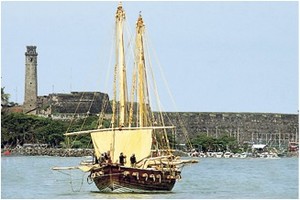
267, 128
66, 105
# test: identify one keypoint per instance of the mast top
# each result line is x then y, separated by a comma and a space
140, 23
120, 14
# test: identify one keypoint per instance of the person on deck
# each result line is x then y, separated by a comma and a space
133, 160
102, 159
96, 159
122, 159
109, 158
105, 156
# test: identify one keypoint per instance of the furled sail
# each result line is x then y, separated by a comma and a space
128, 142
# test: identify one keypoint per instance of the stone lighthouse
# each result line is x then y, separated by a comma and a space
30, 98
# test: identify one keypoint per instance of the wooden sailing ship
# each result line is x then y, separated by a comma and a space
132, 132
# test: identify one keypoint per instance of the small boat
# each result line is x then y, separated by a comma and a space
7, 153
244, 155
227, 154
219, 154
268, 155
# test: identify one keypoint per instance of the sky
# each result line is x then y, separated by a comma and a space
215, 56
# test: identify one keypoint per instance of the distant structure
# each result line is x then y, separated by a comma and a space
30, 97
74, 104
59, 105
273, 129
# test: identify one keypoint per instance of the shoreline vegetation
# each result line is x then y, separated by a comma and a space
18, 129
23, 134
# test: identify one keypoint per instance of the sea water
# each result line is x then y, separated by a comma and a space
31, 177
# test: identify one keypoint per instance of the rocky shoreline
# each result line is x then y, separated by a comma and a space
61, 152
50, 152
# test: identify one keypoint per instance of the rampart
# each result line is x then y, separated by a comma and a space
79, 103
267, 128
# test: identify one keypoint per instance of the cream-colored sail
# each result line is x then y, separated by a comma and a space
128, 142
102, 141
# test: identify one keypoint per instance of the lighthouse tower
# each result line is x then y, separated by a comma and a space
30, 97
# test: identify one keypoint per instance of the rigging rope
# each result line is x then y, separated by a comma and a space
73, 119
71, 180
165, 137
185, 132
105, 102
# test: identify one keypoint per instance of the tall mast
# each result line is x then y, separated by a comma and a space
142, 91
120, 64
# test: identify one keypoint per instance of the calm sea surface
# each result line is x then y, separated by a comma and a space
212, 178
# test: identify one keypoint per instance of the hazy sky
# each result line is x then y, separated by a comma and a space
216, 56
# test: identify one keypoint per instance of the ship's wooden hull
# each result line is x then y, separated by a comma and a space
114, 178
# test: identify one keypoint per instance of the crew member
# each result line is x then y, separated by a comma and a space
133, 160
122, 159
102, 159
109, 158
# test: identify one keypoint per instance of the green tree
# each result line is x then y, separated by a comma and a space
209, 143
19, 128
4, 97
228, 143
